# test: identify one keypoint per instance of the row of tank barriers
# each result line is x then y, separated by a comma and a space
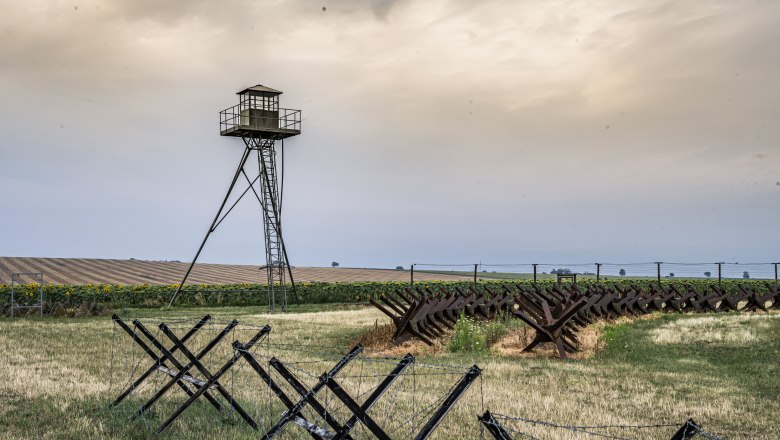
276, 389
290, 389
326, 404
558, 312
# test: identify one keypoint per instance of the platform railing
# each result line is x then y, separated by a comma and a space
241, 116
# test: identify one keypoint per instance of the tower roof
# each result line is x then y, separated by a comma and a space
259, 90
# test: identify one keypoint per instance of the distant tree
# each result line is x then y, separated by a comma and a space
484, 270
334, 264
622, 272
745, 275
671, 274
399, 268
708, 274
561, 271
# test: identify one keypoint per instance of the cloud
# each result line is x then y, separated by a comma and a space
445, 109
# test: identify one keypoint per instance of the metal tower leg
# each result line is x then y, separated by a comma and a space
216, 221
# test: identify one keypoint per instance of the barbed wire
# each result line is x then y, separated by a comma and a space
645, 263
581, 428
675, 269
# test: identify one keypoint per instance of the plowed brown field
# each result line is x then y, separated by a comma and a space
109, 271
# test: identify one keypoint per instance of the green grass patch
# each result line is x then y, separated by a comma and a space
475, 336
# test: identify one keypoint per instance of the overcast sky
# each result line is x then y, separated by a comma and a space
437, 131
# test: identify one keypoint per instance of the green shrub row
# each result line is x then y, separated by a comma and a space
209, 295
257, 294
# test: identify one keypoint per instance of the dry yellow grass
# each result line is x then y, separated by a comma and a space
57, 382
725, 329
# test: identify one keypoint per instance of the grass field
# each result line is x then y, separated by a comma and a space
58, 377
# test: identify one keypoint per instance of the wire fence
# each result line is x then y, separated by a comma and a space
718, 271
503, 427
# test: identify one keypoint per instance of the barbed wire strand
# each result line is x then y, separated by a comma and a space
584, 429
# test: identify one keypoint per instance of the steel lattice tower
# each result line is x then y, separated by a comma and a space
259, 121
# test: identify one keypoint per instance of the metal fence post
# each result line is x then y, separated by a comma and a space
411, 274
535, 272
775, 273
12, 296
598, 272
40, 295
475, 276
658, 271
720, 273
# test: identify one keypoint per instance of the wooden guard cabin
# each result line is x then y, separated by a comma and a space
258, 115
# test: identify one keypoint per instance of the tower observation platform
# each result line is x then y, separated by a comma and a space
257, 115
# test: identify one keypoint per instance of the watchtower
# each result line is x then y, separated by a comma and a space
259, 121
258, 115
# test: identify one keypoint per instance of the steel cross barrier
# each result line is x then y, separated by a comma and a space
554, 316
329, 380
159, 362
360, 411
552, 327
426, 315
686, 432
308, 397
179, 376
298, 419
195, 360
775, 292
212, 379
